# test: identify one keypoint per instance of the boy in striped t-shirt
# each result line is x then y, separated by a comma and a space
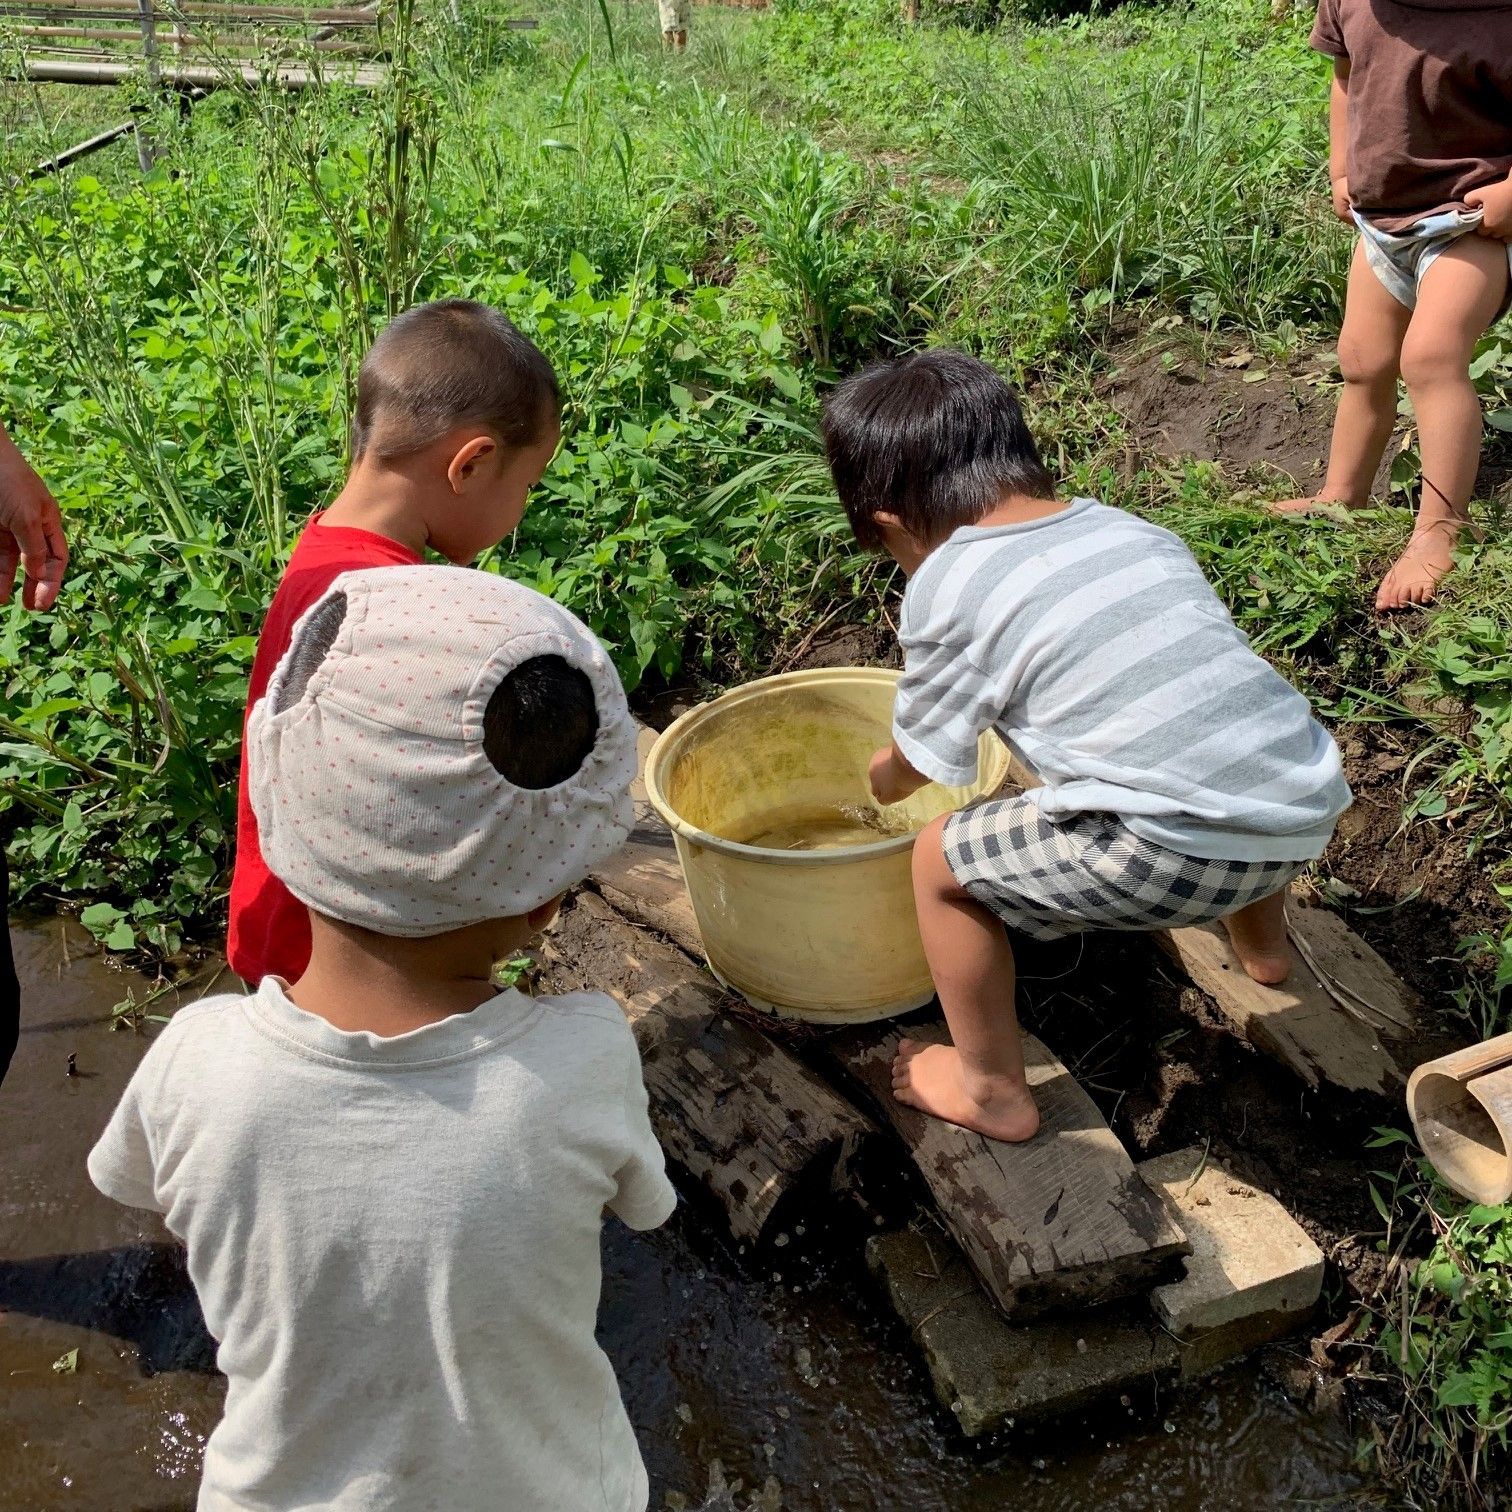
1184, 780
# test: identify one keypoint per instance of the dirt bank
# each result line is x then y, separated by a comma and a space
1265, 420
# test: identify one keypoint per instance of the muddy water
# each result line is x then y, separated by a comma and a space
784, 1371
831, 827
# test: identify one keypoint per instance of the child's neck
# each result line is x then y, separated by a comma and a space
384, 499
910, 553
360, 981
1019, 509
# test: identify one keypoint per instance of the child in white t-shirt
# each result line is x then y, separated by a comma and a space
391, 1175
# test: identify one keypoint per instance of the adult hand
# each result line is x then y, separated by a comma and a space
1341, 206
31, 532
1495, 201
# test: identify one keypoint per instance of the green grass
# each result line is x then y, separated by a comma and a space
700, 245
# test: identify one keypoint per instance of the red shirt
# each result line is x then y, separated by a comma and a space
269, 930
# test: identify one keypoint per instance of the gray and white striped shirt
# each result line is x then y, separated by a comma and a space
1092, 643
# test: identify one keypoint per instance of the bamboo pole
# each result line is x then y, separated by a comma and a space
185, 42
81, 150
203, 75
1461, 1109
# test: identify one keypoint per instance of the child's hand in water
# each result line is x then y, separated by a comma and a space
892, 779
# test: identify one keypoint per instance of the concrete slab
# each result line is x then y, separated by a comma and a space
990, 1372
1253, 1274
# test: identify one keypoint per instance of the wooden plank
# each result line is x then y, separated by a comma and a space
1327, 1024
1062, 1220
1343, 962
645, 880
741, 1115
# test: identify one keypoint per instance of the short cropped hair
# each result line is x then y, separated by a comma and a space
541, 723
450, 363
936, 438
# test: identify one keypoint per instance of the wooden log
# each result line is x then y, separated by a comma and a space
1062, 1220
742, 1116
1333, 1018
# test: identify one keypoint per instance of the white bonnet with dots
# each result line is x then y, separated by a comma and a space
376, 803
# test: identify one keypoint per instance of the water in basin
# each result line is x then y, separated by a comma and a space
812, 827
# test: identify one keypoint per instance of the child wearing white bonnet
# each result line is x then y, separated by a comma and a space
390, 1174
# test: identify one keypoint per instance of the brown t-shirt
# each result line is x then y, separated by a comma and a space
1430, 101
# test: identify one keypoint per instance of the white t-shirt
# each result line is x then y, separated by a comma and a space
396, 1242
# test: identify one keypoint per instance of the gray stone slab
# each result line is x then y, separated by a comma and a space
990, 1372
1253, 1274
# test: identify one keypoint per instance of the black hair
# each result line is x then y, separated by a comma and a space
541, 722
449, 363
936, 438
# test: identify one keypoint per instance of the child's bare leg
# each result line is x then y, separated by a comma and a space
1258, 934
978, 1080
1458, 298
1370, 346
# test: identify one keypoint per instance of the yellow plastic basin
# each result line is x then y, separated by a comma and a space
828, 936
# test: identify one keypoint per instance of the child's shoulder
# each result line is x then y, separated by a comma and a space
196, 1035
586, 1027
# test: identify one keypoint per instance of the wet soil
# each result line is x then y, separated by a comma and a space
780, 1376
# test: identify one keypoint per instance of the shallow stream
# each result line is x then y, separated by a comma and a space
785, 1374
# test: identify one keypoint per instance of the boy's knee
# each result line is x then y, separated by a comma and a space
1369, 364
1429, 358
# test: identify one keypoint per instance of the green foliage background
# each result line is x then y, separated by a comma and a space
700, 245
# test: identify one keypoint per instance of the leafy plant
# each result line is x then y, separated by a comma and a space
1444, 1337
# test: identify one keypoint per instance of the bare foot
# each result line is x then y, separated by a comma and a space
932, 1079
1258, 935
1316, 504
1415, 575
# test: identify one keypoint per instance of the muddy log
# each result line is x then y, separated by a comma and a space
1063, 1220
743, 1117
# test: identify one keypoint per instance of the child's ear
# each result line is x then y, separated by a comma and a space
467, 459
887, 520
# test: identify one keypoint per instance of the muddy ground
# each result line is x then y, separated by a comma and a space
1263, 419
782, 1374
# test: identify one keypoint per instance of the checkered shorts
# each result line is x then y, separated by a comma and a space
1092, 872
